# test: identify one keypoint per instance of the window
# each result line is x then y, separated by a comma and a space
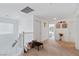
6, 28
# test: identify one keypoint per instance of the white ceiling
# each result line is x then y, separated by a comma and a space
12, 10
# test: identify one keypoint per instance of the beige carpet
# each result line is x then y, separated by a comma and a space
54, 48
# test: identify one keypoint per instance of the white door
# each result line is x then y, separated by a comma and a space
8, 35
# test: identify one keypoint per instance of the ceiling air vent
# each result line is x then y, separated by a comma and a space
27, 10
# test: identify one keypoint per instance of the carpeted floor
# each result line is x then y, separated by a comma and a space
54, 48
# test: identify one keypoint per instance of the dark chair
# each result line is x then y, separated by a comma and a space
37, 44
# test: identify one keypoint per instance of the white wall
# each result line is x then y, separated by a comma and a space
77, 32
76, 17
26, 23
72, 30
37, 30
43, 30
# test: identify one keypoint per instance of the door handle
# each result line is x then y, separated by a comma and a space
13, 45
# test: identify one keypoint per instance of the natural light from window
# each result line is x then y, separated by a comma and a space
6, 28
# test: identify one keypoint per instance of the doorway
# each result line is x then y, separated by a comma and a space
52, 31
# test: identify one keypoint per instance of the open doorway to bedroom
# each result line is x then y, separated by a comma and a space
52, 31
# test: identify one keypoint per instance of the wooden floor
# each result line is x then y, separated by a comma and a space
54, 48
